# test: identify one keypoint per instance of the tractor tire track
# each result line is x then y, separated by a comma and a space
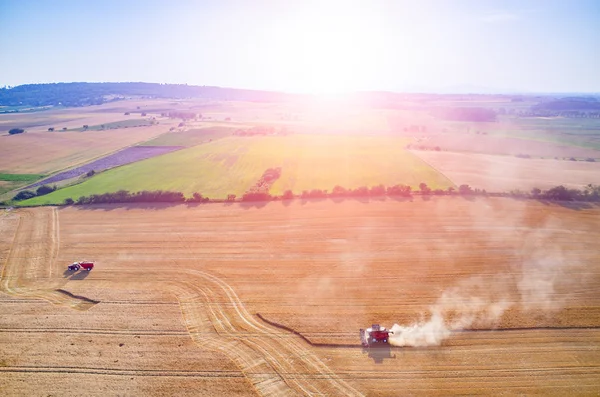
95, 331
205, 328
32, 253
283, 352
122, 372
276, 363
293, 347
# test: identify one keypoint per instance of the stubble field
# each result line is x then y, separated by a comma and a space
507, 173
48, 152
502, 295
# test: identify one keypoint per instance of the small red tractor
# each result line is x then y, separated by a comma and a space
85, 265
376, 335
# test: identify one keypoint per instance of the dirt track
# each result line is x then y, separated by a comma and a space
167, 273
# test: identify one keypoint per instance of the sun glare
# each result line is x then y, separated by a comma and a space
332, 55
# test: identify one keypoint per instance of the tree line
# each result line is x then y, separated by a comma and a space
590, 193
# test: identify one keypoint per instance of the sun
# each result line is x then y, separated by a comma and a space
332, 55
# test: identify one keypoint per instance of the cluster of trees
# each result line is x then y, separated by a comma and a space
144, 196
40, 191
266, 181
260, 190
475, 114
572, 107
257, 196
591, 193
364, 191
563, 113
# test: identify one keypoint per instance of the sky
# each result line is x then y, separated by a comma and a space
327, 46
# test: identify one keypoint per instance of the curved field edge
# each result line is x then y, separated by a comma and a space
232, 165
34, 247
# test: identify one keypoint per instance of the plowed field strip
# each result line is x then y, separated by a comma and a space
123, 372
95, 331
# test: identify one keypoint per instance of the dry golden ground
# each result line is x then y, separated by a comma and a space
179, 288
505, 173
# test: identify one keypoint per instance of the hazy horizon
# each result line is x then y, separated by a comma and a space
313, 47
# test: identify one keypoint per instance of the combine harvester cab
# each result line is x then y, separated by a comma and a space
374, 336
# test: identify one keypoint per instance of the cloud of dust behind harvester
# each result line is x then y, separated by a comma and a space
481, 302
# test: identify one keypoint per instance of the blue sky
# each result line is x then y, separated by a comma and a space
307, 46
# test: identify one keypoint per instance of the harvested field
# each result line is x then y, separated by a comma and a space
126, 156
48, 152
523, 276
506, 145
507, 173
191, 137
72, 118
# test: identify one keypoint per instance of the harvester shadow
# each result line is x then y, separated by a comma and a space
576, 206
468, 197
572, 205
126, 206
379, 353
80, 275
402, 199
306, 200
253, 204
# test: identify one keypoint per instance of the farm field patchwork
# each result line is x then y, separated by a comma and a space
506, 173
47, 152
125, 156
520, 276
232, 165
70, 118
9, 182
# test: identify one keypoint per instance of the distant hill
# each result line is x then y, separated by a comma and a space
85, 94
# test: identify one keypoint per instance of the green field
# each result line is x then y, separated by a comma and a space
10, 182
231, 165
20, 177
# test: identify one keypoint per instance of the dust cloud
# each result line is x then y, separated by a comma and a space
473, 302
538, 283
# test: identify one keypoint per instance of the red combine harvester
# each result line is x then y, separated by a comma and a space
85, 265
376, 335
